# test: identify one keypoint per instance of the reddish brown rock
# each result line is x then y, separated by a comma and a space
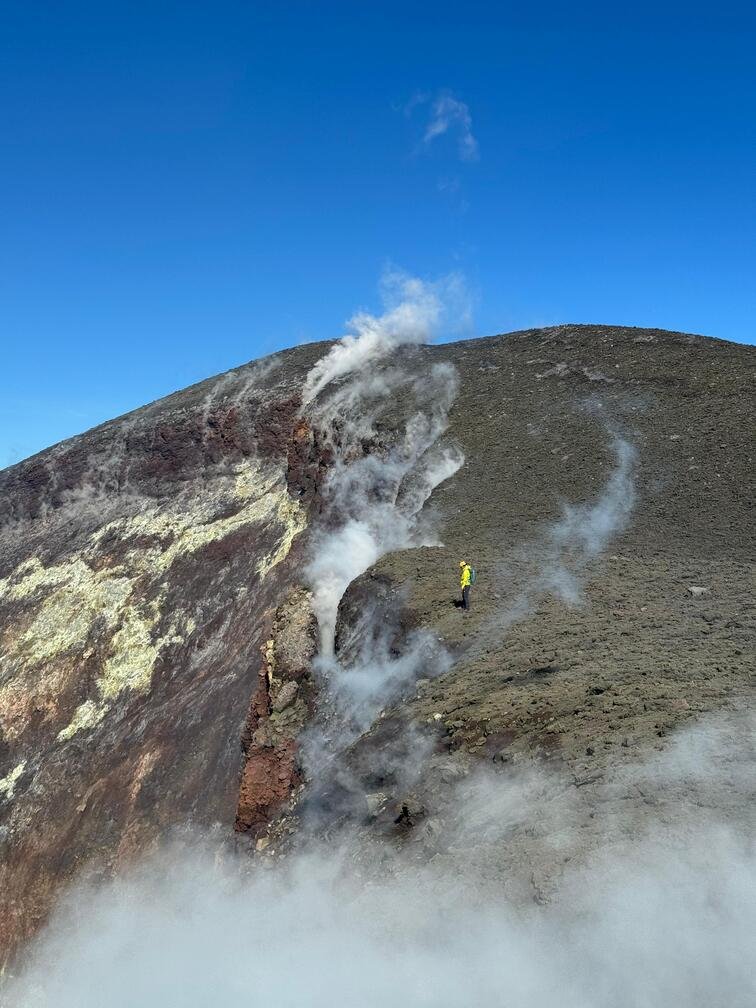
268, 780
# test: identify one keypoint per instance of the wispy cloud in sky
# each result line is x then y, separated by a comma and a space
448, 115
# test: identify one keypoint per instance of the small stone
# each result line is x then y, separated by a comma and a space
449, 770
376, 802
410, 811
262, 843
286, 697
263, 735
432, 830
697, 591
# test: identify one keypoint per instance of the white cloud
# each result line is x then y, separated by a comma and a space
449, 115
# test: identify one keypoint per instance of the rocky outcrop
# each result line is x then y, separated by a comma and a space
278, 712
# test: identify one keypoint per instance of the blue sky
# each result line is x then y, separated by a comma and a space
187, 186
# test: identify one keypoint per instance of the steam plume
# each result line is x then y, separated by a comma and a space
554, 564
375, 500
414, 311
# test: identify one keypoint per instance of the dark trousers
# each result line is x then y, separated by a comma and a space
466, 597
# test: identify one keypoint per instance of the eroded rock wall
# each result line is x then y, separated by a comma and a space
279, 711
143, 569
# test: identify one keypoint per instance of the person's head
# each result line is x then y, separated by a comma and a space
463, 563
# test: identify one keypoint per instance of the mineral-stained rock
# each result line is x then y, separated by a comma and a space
137, 565
295, 637
276, 714
268, 779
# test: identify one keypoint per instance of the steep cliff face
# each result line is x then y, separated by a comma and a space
141, 569
157, 633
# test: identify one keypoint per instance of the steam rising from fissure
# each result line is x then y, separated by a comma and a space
556, 561
376, 490
374, 501
414, 311
374, 496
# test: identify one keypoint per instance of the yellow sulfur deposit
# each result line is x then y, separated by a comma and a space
66, 602
8, 783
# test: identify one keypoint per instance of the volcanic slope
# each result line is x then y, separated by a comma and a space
663, 627
157, 638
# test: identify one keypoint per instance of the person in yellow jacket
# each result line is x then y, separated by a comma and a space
465, 580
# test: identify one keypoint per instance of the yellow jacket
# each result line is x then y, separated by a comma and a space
464, 576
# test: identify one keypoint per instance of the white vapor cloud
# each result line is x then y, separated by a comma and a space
414, 311
449, 115
660, 916
555, 562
